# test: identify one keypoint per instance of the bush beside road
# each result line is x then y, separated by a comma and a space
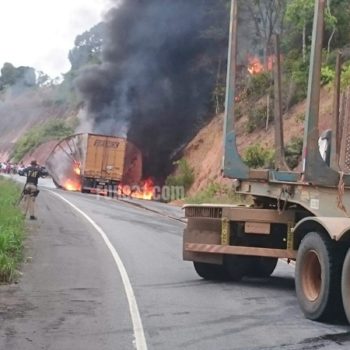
11, 230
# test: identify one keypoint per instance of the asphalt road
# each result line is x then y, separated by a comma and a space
73, 296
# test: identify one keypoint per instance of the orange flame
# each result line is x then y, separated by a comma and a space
255, 66
76, 169
144, 191
70, 185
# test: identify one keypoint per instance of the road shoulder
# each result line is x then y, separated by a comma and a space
70, 295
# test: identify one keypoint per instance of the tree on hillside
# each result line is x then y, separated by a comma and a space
43, 79
88, 47
267, 16
217, 37
26, 76
8, 74
87, 50
299, 16
340, 9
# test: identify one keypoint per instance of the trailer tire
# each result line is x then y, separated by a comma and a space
210, 271
237, 266
317, 278
110, 191
262, 267
85, 186
345, 285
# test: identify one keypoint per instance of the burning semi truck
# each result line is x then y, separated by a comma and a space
95, 163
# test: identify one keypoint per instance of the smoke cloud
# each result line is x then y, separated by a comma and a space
150, 86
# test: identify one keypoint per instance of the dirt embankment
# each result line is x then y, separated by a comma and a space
21, 110
41, 153
205, 152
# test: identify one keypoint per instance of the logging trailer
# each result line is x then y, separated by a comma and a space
299, 216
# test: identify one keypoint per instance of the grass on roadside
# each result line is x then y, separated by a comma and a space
11, 230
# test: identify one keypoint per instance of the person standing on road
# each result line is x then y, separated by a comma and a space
30, 191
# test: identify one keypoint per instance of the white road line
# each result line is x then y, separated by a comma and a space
140, 340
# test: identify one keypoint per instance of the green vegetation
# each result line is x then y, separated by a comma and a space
293, 151
184, 175
11, 231
300, 118
216, 193
294, 19
345, 80
257, 117
259, 85
327, 75
87, 47
51, 130
295, 79
296, 44
10, 75
257, 156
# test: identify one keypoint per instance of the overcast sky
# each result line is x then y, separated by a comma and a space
40, 33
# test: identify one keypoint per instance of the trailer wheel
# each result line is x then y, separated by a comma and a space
237, 266
110, 191
210, 271
85, 186
317, 278
261, 266
345, 285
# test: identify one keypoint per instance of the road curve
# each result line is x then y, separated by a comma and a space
84, 304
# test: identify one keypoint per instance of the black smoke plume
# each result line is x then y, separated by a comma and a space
154, 85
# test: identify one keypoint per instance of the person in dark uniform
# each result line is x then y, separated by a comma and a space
33, 172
